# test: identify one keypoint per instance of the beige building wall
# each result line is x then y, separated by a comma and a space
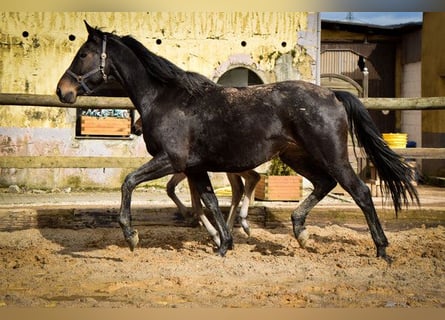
37, 47
433, 84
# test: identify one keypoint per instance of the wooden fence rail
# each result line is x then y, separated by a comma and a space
8, 99
11, 99
40, 162
39, 100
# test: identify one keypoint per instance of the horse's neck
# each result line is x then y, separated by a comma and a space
134, 79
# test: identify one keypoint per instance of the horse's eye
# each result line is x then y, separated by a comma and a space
83, 55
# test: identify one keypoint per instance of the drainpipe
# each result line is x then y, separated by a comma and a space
365, 82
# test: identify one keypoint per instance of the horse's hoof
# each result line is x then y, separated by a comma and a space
302, 238
132, 239
222, 252
388, 259
381, 253
179, 216
217, 240
226, 245
246, 227
193, 222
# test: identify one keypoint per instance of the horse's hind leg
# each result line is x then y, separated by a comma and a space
237, 194
362, 197
171, 185
323, 183
251, 178
322, 186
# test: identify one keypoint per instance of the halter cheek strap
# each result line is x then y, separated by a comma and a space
101, 68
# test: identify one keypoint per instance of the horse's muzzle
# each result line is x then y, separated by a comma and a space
66, 92
66, 98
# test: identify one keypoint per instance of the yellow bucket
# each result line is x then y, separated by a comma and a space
396, 140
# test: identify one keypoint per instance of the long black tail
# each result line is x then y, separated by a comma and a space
395, 174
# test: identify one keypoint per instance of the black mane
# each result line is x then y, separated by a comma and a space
165, 71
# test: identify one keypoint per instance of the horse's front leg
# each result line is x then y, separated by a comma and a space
198, 210
201, 182
156, 168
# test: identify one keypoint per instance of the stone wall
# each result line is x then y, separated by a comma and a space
37, 47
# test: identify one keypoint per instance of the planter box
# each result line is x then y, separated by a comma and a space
105, 126
284, 188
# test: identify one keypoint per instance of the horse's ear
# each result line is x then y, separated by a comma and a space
91, 31
89, 28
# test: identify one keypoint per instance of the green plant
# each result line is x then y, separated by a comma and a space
279, 168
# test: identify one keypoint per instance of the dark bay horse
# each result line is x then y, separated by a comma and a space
192, 125
112, 88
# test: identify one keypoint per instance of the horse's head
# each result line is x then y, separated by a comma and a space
88, 70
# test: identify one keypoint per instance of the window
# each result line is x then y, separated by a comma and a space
111, 123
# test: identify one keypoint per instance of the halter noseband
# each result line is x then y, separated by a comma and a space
81, 78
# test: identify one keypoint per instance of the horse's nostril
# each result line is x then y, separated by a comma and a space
66, 97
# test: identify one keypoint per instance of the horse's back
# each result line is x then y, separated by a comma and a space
251, 124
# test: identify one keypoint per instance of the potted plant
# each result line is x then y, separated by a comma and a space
279, 183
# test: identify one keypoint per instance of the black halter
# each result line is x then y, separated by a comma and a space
81, 78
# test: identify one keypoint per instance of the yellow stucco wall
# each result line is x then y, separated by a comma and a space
194, 41
35, 49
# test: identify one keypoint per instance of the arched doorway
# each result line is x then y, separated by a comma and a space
340, 82
239, 77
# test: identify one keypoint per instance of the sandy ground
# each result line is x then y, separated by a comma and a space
177, 267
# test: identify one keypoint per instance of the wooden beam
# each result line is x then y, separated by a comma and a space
422, 153
416, 153
40, 100
404, 103
125, 103
22, 162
